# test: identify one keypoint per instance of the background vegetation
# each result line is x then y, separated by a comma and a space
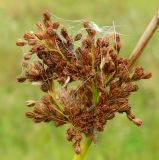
20, 139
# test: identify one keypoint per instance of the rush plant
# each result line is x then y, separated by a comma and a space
84, 86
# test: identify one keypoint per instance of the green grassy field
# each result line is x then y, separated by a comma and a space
20, 139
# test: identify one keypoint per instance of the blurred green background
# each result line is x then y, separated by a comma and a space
20, 139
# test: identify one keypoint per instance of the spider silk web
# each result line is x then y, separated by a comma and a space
74, 27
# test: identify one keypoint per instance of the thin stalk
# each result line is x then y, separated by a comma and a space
84, 148
151, 28
58, 109
93, 58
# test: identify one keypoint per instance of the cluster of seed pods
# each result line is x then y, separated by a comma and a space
103, 78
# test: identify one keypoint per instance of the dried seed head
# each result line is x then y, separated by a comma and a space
103, 78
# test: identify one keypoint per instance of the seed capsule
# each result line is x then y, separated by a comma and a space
20, 42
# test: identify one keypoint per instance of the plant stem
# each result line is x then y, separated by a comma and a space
151, 28
85, 146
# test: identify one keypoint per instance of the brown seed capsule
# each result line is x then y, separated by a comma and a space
21, 79
117, 46
117, 37
55, 25
69, 137
27, 56
64, 32
29, 114
139, 71
111, 67
113, 55
78, 137
51, 32
147, 75
104, 42
37, 48
91, 32
77, 148
32, 42
46, 16
44, 87
39, 36
29, 35
86, 24
20, 42
47, 24
98, 42
78, 37
30, 103
137, 121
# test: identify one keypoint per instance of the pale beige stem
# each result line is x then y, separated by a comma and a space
151, 28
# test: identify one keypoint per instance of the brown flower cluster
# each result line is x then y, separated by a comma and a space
103, 79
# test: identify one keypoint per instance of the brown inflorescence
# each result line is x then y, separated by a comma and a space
104, 79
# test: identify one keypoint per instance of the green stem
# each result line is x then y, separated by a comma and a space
86, 144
